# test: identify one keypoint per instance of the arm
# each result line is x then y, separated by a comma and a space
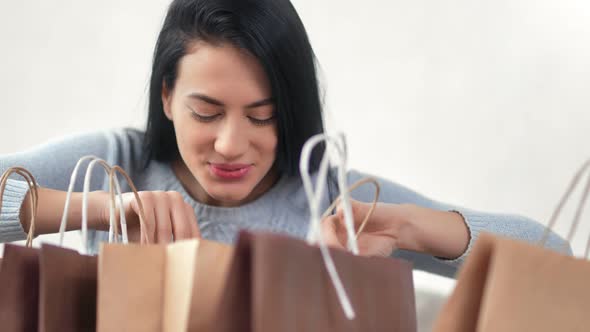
51, 164
50, 210
432, 229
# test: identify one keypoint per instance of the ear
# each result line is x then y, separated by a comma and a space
167, 101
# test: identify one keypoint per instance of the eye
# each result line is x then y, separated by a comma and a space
262, 122
204, 118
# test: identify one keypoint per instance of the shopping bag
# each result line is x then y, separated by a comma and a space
509, 285
210, 274
67, 300
19, 293
19, 270
277, 283
154, 287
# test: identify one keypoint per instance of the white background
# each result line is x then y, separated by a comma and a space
484, 104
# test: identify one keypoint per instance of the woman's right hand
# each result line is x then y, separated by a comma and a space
168, 217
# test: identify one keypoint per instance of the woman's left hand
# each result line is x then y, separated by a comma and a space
400, 226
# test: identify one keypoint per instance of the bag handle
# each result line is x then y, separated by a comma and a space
355, 185
314, 198
113, 180
84, 224
579, 210
33, 197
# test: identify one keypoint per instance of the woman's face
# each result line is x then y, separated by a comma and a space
224, 118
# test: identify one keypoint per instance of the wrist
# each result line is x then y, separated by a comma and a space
438, 233
98, 210
408, 231
26, 212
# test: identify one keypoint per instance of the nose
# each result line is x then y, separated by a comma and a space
232, 140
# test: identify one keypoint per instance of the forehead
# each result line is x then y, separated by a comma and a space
222, 71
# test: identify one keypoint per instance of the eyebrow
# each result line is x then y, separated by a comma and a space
213, 101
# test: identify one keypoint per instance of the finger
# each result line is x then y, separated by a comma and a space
340, 226
193, 222
150, 220
356, 209
360, 211
181, 228
330, 232
163, 221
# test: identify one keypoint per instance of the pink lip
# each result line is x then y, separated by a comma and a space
230, 171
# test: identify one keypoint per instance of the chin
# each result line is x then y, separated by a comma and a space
229, 193
229, 200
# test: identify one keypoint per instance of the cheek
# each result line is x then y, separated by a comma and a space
268, 144
193, 138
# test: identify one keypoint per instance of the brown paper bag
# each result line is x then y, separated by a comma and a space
509, 285
193, 284
67, 299
19, 290
213, 262
160, 288
276, 283
130, 283
19, 271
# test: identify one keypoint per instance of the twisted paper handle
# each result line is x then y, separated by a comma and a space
579, 210
353, 187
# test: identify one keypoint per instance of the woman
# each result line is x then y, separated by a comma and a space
233, 98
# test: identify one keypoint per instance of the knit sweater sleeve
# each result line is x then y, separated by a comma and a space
508, 225
52, 163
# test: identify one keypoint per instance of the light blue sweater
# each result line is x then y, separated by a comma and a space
283, 209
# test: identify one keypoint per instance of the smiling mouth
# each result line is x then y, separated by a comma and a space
230, 171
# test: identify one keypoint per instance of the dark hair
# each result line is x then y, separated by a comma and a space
273, 33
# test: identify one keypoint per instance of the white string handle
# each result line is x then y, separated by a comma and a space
64, 219
314, 199
111, 210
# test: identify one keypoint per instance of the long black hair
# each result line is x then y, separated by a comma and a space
273, 33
